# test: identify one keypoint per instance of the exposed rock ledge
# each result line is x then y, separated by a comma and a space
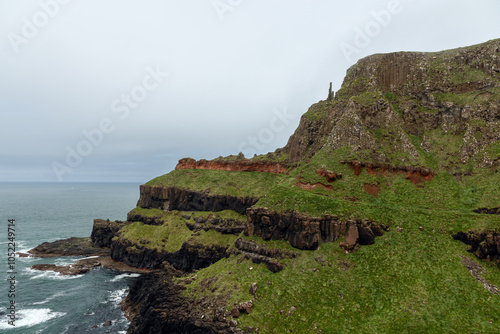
485, 245
172, 198
305, 232
488, 211
414, 174
234, 166
261, 254
67, 247
191, 256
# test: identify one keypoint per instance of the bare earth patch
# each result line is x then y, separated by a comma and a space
476, 270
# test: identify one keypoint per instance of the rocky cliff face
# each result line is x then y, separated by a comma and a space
156, 305
306, 232
172, 198
394, 114
191, 256
404, 102
103, 231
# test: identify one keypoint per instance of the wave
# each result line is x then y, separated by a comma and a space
31, 317
121, 276
49, 274
116, 296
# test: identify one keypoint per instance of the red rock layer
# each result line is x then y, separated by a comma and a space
233, 166
414, 174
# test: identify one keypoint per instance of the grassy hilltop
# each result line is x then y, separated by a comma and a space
436, 117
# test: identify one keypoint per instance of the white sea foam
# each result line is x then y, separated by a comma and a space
30, 317
49, 274
66, 261
117, 296
121, 276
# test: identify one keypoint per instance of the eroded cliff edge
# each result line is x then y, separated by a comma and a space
355, 215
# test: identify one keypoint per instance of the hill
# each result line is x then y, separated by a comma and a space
359, 224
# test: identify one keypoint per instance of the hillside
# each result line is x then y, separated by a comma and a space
359, 224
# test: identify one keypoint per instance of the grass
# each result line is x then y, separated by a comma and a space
318, 110
240, 184
407, 282
366, 99
173, 233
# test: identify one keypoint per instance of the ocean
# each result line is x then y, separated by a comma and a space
46, 302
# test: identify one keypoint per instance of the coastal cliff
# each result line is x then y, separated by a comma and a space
366, 194
363, 216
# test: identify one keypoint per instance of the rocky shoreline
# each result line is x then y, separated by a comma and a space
72, 247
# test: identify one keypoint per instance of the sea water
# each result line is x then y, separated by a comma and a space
45, 301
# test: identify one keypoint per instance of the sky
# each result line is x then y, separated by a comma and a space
120, 90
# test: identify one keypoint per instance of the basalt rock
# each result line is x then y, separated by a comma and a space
261, 254
189, 257
223, 226
390, 104
103, 231
488, 211
172, 198
68, 247
485, 245
156, 305
306, 232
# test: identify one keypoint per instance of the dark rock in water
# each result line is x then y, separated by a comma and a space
63, 270
107, 323
68, 247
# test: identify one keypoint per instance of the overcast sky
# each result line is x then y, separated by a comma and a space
120, 90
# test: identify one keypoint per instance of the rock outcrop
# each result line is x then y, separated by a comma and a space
172, 198
394, 106
191, 256
68, 247
414, 174
485, 245
488, 211
223, 226
103, 231
261, 254
234, 166
156, 305
305, 232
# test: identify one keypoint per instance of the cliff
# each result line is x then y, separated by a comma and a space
407, 103
171, 198
362, 217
